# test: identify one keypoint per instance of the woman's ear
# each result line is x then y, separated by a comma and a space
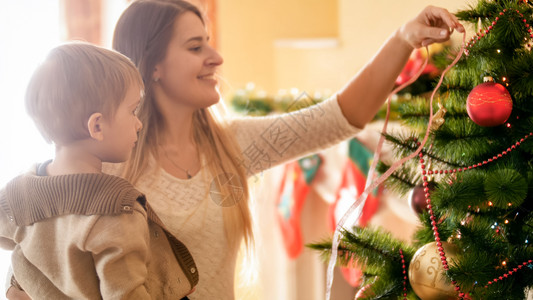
156, 75
95, 126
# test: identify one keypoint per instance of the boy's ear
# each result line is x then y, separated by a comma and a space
95, 126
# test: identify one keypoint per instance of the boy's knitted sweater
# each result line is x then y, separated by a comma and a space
86, 236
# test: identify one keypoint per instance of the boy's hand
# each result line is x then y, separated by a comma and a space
14, 293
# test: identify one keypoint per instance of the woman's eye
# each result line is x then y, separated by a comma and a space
196, 49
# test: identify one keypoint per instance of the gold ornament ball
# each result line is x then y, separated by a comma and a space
426, 273
364, 292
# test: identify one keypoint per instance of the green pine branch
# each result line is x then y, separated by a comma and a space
378, 253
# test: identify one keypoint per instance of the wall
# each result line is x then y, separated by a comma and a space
249, 30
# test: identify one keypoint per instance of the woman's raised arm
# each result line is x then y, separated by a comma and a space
363, 96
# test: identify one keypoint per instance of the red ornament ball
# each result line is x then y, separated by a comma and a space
417, 197
489, 104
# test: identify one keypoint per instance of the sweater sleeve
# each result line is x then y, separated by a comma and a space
7, 227
9, 275
272, 140
120, 248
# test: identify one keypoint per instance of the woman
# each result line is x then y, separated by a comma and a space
187, 161
193, 166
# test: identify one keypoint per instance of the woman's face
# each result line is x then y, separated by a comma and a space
187, 74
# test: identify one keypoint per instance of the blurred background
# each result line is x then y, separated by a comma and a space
274, 51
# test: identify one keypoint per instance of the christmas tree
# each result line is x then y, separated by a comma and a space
472, 182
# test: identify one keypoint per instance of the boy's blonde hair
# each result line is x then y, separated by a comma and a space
74, 81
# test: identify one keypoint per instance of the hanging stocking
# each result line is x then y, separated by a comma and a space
293, 190
362, 158
352, 185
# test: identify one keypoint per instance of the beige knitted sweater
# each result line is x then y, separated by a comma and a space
86, 236
191, 214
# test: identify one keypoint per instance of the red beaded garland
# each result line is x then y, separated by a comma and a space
511, 272
437, 239
482, 33
404, 276
460, 294
505, 152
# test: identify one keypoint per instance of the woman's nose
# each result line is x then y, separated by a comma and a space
215, 59
139, 125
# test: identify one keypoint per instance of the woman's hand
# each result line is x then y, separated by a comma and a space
363, 96
433, 24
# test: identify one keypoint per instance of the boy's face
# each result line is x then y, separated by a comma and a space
121, 132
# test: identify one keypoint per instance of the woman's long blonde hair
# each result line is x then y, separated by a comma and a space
143, 33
